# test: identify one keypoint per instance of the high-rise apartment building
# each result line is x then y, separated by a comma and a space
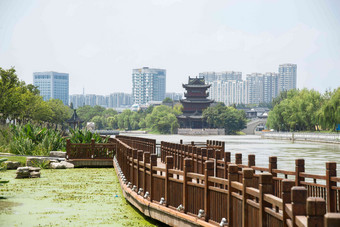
174, 96
270, 86
287, 77
255, 88
77, 101
52, 85
148, 85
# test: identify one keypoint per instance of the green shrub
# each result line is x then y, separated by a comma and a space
85, 136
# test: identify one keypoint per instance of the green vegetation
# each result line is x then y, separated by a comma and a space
305, 110
35, 140
85, 136
71, 197
229, 118
20, 159
160, 119
22, 103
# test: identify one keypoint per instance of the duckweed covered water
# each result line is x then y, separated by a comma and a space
70, 197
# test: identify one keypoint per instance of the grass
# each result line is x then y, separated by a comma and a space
67, 198
20, 159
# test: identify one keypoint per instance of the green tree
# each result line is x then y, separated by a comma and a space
229, 118
329, 114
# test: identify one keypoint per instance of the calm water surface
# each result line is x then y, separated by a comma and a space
315, 154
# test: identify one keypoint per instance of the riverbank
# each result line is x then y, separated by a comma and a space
70, 197
299, 136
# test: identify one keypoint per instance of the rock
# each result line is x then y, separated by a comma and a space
32, 161
61, 159
35, 174
23, 172
57, 165
68, 165
27, 172
34, 169
58, 154
12, 165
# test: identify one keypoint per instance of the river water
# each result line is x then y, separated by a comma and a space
315, 154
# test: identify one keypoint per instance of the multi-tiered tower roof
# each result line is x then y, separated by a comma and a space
196, 100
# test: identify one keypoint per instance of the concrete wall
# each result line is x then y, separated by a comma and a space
297, 136
206, 131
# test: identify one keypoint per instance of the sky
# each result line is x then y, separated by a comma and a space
99, 42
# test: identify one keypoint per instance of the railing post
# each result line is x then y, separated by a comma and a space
331, 194
286, 188
210, 153
316, 209
251, 160
209, 171
232, 176
139, 158
146, 159
238, 158
226, 160
247, 182
272, 165
187, 168
92, 148
299, 197
265, 187
153, 162
299, 167
68, 150
134, 177
203, 155
332, 220
169, 165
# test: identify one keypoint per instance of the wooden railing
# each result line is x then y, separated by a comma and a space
139, 143
211, 188
90, 150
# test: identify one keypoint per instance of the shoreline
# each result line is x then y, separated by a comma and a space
303, 137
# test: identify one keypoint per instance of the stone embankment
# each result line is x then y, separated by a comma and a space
297, 136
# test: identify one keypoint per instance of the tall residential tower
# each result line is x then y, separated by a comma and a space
287, 77
52, 85
148, 85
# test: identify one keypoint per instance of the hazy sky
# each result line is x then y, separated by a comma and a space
99, 42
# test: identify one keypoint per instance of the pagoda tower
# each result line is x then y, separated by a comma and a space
194, 103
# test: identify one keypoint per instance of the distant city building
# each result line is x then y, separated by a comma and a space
77, 101
270, 86
229, 88
287, 77
120, 100
90, 100
114, 100
174, 96
52, 85
223, 76
148, 84
255, 88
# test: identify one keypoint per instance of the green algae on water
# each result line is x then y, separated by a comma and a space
70, 197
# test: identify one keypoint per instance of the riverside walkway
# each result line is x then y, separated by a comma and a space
193, 185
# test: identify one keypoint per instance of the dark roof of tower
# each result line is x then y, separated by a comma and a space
74, 118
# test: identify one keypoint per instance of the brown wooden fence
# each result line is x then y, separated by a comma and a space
204, 183
139, 143
90, 150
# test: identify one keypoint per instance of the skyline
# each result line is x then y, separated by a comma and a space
98, 43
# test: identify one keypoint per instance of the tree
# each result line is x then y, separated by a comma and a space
329, 114
229, 118
162, 119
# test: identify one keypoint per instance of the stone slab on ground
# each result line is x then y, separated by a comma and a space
12, 164
27, 172
58, 154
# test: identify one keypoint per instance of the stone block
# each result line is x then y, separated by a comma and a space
58, 154
12, 165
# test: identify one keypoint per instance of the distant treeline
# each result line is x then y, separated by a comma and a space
305, 110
